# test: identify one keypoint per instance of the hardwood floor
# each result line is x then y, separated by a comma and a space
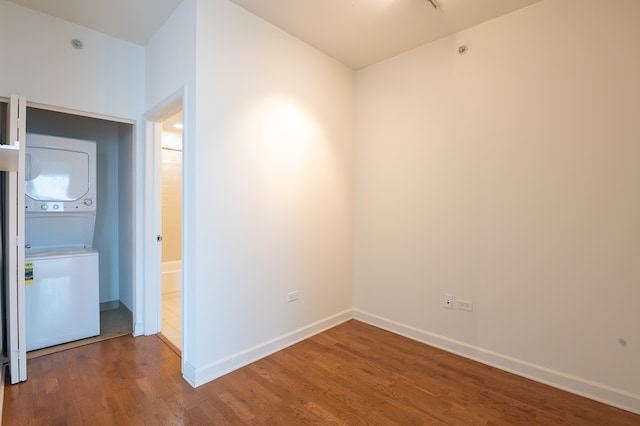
352, 374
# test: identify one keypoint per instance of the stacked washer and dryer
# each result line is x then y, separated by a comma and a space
61, 270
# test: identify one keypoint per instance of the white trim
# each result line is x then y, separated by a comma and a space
189, 373
168, 107
153, 226
88, 114
200, 376
72, 111
597, 391
171, 277
138, 329
13, 240
137, 278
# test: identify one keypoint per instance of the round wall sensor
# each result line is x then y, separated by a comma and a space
77, 44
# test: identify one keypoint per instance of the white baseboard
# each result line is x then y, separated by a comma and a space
197, 377
110, 305
171, 276
138, 329
172, 266
580, 386
189, 373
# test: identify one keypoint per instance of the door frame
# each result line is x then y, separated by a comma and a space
153, 214
136, 217
13, 239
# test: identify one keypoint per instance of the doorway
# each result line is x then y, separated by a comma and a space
115, 228
171, 258
113, 238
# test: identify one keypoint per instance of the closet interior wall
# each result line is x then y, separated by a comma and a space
114, 216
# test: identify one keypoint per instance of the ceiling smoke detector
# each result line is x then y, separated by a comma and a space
77, 44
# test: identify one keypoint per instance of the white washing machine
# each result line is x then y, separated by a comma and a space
62, 297
61, 268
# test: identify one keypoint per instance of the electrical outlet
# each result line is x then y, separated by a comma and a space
292, 297
465, 305
447, 302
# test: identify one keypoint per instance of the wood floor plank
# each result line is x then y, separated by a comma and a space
353, 374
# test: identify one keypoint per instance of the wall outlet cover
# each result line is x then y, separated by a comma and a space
292, 296
465, 305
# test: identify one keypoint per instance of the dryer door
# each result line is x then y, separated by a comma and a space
60, 174
56, 175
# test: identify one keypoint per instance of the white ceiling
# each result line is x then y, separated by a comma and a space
362, 32
132, 20
355, 32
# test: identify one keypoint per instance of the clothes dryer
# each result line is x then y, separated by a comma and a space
60, 192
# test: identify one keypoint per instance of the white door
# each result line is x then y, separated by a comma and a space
14, 240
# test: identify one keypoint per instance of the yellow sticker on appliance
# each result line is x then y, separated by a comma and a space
28, 273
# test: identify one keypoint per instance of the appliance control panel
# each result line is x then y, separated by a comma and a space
86, 203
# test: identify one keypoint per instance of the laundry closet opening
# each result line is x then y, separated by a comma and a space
113, 234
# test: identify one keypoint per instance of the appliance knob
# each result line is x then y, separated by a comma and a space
56, 207
88, 201
44, 207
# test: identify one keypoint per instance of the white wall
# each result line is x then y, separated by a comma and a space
268, 159
273, 190
127, 199
106, 77
106, 235
509, 177
170, 73
170, 56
